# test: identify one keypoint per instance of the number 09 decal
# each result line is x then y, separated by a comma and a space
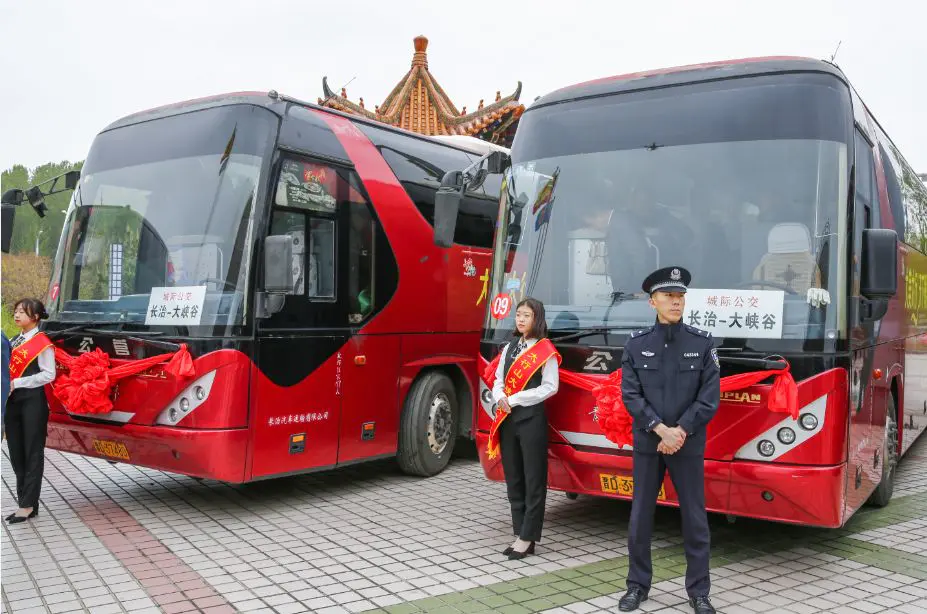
501, 306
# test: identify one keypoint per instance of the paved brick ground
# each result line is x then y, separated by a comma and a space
116, 538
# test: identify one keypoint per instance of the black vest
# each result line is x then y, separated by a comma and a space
534, 382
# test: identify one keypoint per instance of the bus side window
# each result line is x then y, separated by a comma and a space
866, 192
321, 274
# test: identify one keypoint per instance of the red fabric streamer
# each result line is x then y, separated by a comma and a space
86, 384
614, 419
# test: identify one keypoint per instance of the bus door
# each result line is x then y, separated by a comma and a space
298, 374
867, 396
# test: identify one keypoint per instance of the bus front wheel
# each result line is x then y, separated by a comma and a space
428, 430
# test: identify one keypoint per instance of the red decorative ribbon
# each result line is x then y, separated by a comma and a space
86, 385
613, 417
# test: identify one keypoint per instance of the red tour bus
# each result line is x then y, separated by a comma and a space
289, 249
804, 228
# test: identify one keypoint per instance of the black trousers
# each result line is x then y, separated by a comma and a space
688, 476
26, 423
523, 443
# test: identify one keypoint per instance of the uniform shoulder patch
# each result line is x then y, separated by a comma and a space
643, 331
697, 331
714, 357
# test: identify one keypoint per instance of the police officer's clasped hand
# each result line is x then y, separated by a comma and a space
672, 439
504, 406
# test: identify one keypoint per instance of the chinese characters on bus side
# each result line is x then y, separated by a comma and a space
736, 313
297, 418
177, 306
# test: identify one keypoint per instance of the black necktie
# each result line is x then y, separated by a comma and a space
18, 341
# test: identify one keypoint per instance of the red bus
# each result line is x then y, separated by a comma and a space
289, 247
805, 231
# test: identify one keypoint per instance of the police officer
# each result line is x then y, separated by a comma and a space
671, 387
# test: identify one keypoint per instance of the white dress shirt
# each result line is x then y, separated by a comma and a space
550, 381
46, 361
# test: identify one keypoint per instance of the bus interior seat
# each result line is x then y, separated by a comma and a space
789, 260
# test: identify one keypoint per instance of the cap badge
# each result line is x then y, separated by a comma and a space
675, 275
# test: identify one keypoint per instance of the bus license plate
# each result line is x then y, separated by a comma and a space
623, 485
112, 449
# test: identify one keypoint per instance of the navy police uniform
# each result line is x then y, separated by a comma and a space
670, 375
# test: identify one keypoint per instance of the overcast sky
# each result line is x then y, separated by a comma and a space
69, 67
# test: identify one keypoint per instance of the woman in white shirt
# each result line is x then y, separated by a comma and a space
527, 375
26, 417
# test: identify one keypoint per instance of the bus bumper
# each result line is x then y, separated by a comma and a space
213, 454
805, 495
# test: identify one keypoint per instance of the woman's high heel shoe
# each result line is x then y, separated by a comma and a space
14, 519
516, 556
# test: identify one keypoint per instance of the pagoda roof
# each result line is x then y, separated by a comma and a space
418, 103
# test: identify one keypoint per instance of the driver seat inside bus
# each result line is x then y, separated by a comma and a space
788, 261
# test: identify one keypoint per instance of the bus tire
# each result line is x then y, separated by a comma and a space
883, 492
428, 428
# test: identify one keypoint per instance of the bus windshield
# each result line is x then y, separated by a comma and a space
159, 231
744, 183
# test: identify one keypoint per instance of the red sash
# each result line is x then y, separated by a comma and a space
520, 373
22, 356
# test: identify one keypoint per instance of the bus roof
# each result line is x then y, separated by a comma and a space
470, 143
278, 103
692, 73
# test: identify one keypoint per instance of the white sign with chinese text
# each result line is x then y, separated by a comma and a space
178, 306
736, 313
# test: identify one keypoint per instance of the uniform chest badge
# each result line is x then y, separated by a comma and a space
647, 354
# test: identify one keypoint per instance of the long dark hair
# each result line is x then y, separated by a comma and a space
539, 325
32, 307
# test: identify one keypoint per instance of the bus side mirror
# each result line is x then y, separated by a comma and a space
447, 204
279, 275
498, 162
71, 179
879, 270
6, 230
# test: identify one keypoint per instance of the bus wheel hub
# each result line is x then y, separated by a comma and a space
439, 423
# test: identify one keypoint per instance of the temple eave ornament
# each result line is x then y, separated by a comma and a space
418, 95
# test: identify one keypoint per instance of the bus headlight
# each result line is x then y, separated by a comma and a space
786, 435
766, 448
809, 422
187, 401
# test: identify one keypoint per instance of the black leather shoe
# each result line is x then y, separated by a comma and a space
514, 555
508, 551
632, 599
10, 517
701, 605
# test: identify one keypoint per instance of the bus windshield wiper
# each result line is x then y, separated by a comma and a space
137, 333
139, 336
770, 363
592, 330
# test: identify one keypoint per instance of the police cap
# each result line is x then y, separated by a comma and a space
669, 279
